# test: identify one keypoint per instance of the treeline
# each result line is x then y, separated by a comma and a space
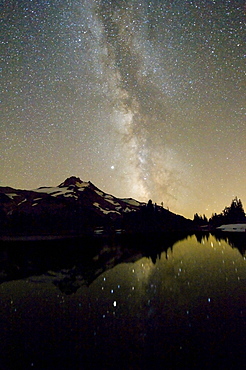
152, 218
230, 215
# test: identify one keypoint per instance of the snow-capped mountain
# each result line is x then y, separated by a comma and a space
77, 207
74, 204
72, 188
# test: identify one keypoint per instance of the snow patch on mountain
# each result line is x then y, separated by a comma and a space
23, 201
112, 202
11, 195
127, 209
99, 193
104, 210
132, 202
70, 195
54, 191
82, 185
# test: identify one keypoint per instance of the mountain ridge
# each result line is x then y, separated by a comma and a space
76, 206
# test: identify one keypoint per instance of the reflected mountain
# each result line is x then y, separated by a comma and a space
71, 263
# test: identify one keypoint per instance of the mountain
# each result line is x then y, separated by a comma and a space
75, 207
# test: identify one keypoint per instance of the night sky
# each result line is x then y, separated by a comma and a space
143, 98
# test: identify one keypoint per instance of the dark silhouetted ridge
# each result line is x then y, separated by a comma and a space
73, 180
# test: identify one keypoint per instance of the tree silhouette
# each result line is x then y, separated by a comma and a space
150, 206
200, 220
233, 214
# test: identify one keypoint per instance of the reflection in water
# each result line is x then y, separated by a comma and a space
170, 304
235, 240
81, 260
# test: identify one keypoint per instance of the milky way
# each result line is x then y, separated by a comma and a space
143, 98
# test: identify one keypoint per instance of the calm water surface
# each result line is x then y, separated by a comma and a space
179, 306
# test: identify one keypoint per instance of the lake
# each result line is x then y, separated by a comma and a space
167, 302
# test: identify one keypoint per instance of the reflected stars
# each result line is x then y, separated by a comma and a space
197, 277
160, 312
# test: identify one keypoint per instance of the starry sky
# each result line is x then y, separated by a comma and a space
143, 98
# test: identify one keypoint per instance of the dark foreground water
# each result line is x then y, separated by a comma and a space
169, 305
